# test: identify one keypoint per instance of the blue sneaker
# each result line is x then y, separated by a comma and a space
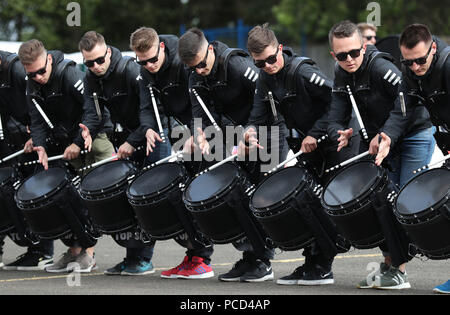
443, 288
139, 268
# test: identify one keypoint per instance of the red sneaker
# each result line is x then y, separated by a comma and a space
173, 273
197, 269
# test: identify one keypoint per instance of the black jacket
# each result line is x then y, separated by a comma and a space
431, 90
118, 93
301, 92
228, 90
170, 86
375, 87
62, 101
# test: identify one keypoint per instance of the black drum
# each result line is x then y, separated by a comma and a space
271, 204
423, 209
208, 197
43, 198
103, 191
348, 199
8, 176
151, 194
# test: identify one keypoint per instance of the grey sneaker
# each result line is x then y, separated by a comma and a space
83, 263
61, 265
369, 283
393, 279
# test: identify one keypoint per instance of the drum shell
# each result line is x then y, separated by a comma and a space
155, 213
357, 220
6, 222
285, 226
216, 219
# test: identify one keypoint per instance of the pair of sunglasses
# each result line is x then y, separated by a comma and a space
418, 61
150, 60
99, 60
202, 64
354, 53
41, 71
269, 60
370, 37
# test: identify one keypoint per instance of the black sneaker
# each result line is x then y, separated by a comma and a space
30, 261
238, 270
317, 276
294, 277
258, 273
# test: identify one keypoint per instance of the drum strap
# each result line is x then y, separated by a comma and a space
250, 228
307, 212
396, 239
197, 241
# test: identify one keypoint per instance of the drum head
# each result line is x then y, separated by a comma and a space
351, 183
212, 183
42, 184
155, 179
277, 187
107, 176
5, 174
423, 191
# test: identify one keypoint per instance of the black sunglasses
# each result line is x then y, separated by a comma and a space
354, 53
269, 60
419, 61
370, 37
99, 60
202, 64
151, 60
41, 71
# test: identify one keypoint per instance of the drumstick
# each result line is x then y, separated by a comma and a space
2, 137
272, 105
358, 115
40, 110
98, 163
158, 118
205, 109
282, 164
175, 155
97, 106
347, 162
209, 169
402, 104
9, 157
445, 158
53, 158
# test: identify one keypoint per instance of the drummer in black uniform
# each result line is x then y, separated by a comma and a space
165, 75
15, 120
301, 96
224, 79
55, 101
426, 81
115, 81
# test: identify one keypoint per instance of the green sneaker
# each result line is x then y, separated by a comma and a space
393, 279
369, 284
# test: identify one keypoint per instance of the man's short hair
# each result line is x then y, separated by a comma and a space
366, 26
343, 29
190, 44
30, 51
90, 40
261, 37
143, 39
414, 34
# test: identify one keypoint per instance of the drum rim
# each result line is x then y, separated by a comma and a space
382, 173
149, 197
277, 205
34, 203
425, 212
218, 196
109, 189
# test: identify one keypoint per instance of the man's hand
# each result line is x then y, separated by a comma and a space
125, 150
345, 135
374, 145
383, 150
28, 147
87, 137
203, 144
71, 152
309, 144
152, 136
43, 158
